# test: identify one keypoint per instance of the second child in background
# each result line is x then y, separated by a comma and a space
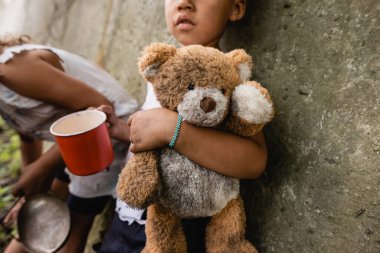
38, 85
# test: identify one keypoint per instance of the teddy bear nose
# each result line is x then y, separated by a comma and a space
208, 104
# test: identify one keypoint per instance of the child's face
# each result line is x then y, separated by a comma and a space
201, 21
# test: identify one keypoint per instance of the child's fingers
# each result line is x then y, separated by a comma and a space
11, 217
110, 113
106, 109
17, 190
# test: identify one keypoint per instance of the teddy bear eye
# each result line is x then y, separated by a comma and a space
190, 87
224, 91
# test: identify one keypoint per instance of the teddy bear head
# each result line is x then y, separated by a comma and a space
196, 81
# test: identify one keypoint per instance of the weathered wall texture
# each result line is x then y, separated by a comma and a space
319, 59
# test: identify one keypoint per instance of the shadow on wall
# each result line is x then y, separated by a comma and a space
258, 195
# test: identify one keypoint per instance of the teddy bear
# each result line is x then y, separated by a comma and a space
208, 88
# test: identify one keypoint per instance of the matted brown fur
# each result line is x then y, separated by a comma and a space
164, 231
140, 187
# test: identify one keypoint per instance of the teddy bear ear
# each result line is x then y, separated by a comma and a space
243, 63
153, 57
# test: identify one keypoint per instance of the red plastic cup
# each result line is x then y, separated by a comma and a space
84, 141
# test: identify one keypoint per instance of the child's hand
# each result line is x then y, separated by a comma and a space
34, 179
11, 217
118, 128
151, 129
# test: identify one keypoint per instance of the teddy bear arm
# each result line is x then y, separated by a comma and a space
139, 183
251, 109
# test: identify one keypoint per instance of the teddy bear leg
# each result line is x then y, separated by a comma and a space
226, 231
139, 181
164, 231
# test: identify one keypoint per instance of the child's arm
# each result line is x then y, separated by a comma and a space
38, 74
38, 175
222, 152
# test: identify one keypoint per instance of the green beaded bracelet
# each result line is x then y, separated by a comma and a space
176, 131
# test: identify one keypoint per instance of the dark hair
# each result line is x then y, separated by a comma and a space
248, 12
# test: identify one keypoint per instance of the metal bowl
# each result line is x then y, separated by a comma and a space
43, 223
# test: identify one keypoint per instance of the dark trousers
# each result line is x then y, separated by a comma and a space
124, 238
195, 232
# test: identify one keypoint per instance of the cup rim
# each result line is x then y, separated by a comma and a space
103, 119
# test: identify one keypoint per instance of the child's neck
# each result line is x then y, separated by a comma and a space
214, 46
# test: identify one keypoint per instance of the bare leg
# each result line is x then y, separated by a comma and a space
164, 231
60, 188
80, 227
226, 230
80, 224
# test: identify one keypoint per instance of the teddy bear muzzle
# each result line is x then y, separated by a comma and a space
203, 106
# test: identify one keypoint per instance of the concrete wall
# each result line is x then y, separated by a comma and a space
319, 59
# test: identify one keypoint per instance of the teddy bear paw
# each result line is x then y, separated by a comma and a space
243, 246
251, 103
